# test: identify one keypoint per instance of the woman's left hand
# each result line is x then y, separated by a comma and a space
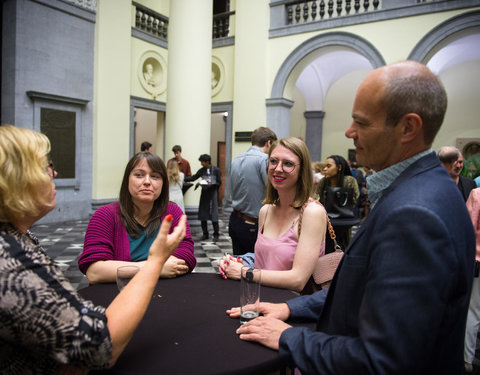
174, 267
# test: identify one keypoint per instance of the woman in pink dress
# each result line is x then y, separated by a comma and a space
286, 255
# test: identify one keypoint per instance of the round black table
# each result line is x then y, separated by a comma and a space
186, 330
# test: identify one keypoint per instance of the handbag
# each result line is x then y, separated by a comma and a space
338, 202
326, 265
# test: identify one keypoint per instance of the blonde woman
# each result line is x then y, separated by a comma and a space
175, 181
286, 255
46, 326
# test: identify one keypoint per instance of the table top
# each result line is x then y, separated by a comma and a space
185, 329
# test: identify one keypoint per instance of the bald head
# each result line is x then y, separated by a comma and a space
410, 87
397, 112
452, 160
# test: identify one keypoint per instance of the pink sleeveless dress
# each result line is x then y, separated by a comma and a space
277, 253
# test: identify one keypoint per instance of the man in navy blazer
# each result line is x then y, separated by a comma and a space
399, 299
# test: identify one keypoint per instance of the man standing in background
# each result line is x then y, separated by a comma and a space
183, 166
452, 159
249, 179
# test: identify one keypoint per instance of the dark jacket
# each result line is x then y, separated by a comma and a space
398, 302
466, 185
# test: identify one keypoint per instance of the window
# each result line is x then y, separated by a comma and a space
59, 127
60, 119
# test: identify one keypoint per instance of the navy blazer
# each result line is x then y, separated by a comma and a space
399, 299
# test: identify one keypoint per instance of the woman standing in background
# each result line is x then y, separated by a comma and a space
175, 183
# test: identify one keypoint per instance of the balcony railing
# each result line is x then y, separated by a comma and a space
221, 25
299, 11
298, 16
151, 22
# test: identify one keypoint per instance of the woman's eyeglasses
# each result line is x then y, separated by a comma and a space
52, 173
287, 165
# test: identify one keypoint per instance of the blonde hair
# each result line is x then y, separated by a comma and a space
173, 171
305, 175
23, 167
318, 166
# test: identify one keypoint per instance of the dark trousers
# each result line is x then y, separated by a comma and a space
205, 228
244, 235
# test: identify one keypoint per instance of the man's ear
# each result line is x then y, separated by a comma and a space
412, 127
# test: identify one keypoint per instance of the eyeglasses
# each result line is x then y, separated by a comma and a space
52, 173
287, 165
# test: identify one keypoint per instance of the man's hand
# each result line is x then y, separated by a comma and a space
273, 310
265, 330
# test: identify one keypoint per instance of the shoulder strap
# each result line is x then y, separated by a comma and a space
329, 225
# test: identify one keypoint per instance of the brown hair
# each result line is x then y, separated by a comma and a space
127, 208
305, 176
262, 135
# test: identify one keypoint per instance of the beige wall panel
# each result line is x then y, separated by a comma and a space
462, 119
111, 132
226, 56
140, 50
338, 114
251, 82
298, 122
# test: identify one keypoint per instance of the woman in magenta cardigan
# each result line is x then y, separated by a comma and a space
121, 233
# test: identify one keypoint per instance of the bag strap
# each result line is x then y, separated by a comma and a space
329, 225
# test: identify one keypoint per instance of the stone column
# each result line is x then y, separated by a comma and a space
278, 116
313, 133
189, 82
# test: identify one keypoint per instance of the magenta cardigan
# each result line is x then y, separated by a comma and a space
107, 239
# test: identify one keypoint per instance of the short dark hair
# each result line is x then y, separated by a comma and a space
262, 135
126, 203
145, 146
177, 148
205, 158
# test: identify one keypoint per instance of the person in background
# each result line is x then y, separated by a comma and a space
452, 159
248, 181
473, 317
146, 146
46, 327
357, 173
286, 249
317, 168
337, 174
211, 179
399, 299
121, 233
183, 166
175, 183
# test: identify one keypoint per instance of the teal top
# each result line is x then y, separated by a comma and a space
140, 246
